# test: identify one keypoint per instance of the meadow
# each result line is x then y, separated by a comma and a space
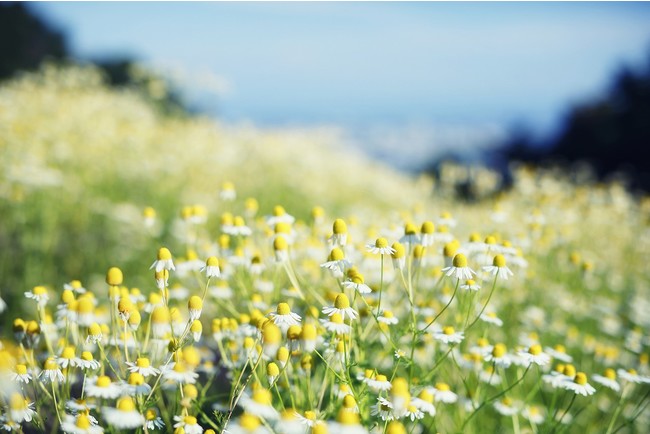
168, 273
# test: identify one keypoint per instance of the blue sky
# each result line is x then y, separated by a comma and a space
352, 64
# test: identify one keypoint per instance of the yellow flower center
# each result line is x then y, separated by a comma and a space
349, 401
442, 387
336, 318
125, 404
410, 229
569, 370
280, 243
150, 414
21, 369
336, 254
499, 261
195, 303
164, 254
190, 420
610, 373
381, 243
395, 427
136, 379
460, 261
212, 261
83, 421
499, 350
580, 378
50, 364
114, 276
142, 362
39, 290
448, 330
342, 301
262, 396
399, 250
283, 309
339, 227
249, 422
103, 381
535, 350
427, 228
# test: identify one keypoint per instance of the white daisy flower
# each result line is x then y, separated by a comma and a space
579, 385
124, 415
382, 408
607, 380
20, 408
339, 233
410, 236
559, 353
459, 268
442, 393
178, 372
336, 325
632, 376
506, 407
38, 293
211, 267
533, 414
102, 387
21, 375
51, 372
189, 424
260, 404
284, 317
489, 376
470, 285
424, 402
356, 283
448, 335
499, 356
153, 419
82, 423
379, 384
342, 307
491, 318
143, 367
380, 246
534, 355
499, 268
387, 317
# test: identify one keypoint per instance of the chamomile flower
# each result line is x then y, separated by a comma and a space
380, 246
20, 408
124, 415
398, 256
337, 263
499, 356
195, 307
143, 367
470, 285
342, 307
247, 423
339, 233
424, 402
387, 317
39, 294
559, 353
489, 376
86, 362
382, 408
211, 267
179, 372
427, 231
506, 407
535, 355
579, 385
51, 372
357, 283
491, 318
533, 414
21, 375
608, 379
102, 387
379, 383
259, 403
336, 325
448, 335
153, 419
283, 316
499, 268
163, 261
459, 268
189, 424
82, 423
410, 237
442, 393
632, 376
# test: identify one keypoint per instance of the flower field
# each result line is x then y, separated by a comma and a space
166, 273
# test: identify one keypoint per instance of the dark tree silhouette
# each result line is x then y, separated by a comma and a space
611, 133
26, 40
